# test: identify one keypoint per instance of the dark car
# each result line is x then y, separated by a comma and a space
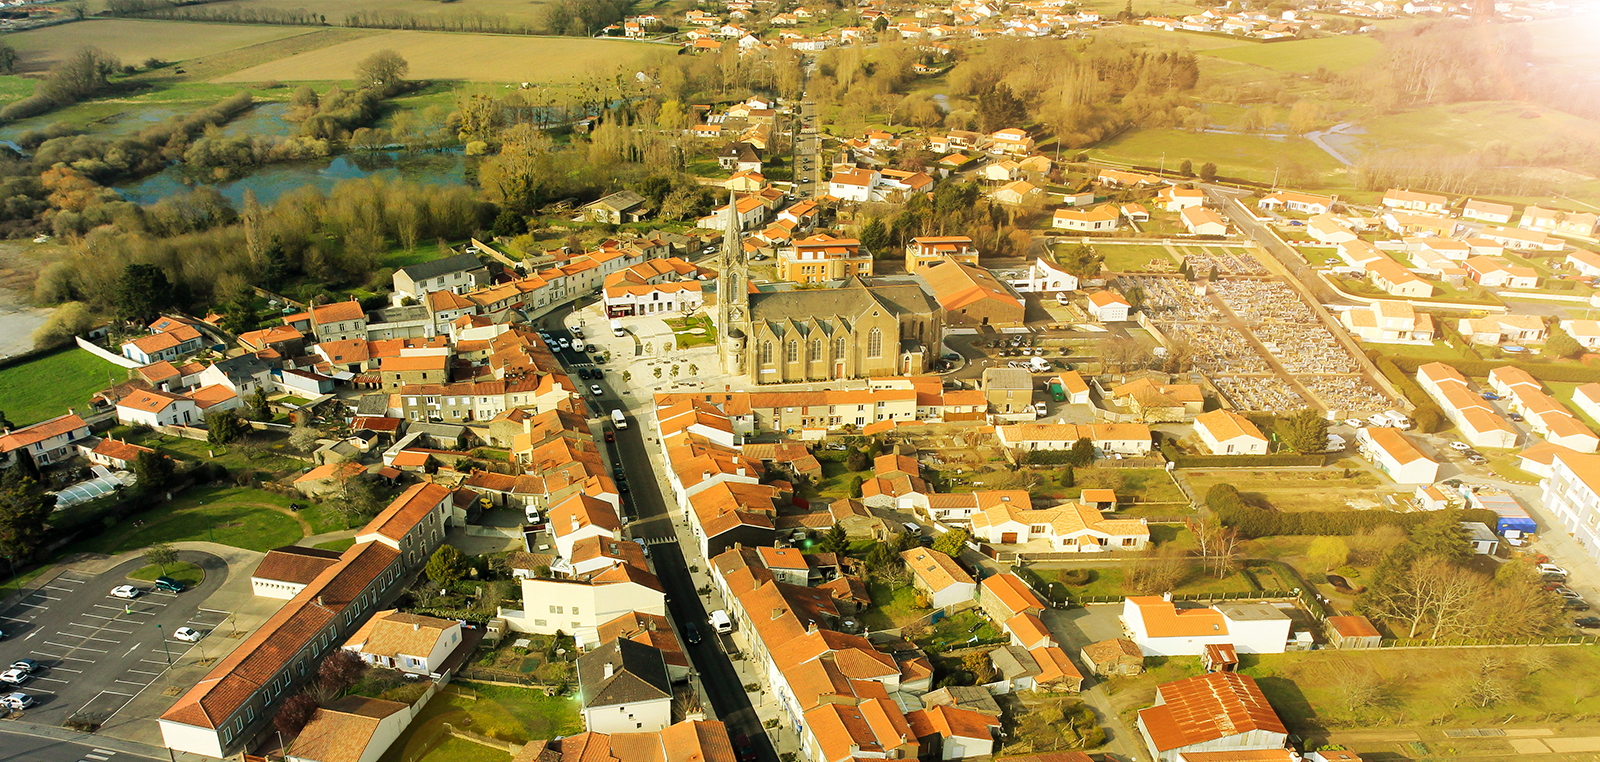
743, 748
1587, 622
170, 585
1574, 604
691, 633
611, 436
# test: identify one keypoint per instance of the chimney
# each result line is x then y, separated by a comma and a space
811, 626
610, 670
415, 626
1166, 597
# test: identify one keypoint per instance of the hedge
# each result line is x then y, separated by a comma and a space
1567, 374
1427, 415
1257, 522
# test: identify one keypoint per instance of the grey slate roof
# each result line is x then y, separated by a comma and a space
245, 367
638, 674
851, 301
457, 263
621, 201
1014, 663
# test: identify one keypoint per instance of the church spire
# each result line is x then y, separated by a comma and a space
733, 291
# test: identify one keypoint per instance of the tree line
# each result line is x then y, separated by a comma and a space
575, 18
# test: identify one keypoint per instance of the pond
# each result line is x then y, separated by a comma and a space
273, 180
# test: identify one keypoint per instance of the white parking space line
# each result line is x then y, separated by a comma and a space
142, 672
74, 658
65, 578
64, 669
115, 693
89, 637
154, 661
27, 605
95, 757
99, 627
62, 589
75, 648
54, 680
156, 603
130, 682
46, 597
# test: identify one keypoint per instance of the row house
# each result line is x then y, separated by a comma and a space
172, 341
1068, 528
482, 400
1110, 438
1557, 221
1550, 419
1479, 423
1389, 322
1492, 330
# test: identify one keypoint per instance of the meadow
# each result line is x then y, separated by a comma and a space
464, 57
134, 41
1473, 127
514, 10
1336, 54
45, 387
1251, 157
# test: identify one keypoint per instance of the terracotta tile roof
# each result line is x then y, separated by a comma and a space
332, 471
953, 722
688, 741
1207, 708
1027, 629
149, 400
117, 450
407, 510
1055, 665
295, 564
338, 311
395, 633
1012, 592
1163, 620
1107, 650
1225, 425
342, 730
650, 629
936, 570
1353, 626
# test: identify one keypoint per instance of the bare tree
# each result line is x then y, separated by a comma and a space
1357, 685
1162, 571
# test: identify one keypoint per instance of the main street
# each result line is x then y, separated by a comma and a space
24, 746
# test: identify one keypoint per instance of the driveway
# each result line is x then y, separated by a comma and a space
97, 653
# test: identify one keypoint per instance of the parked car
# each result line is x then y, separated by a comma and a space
595, 390
1551, 569
1515, 416
1587, 622
1491, 396
1576, 605
611, 436
691, 633
26, 665
1354, 423
125, 591
745, 750
1460, 446
1568, 593
1477, 460
187, 635
16, 700
170, 585
15, 676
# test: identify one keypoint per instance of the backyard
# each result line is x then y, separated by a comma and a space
44, 388
257, 450
1327, 489
891, 606
514, 715
1108, 582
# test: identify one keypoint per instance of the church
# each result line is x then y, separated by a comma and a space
854, 331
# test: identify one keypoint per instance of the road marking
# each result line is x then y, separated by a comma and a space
64, 669
154, 661
71, 658
62, 589
89, 637
46, 597
142, 672
73, 648
31, 634
32, 606
65, 578
157, 603
129, 695
131, 650
97, 626
104, 751
96, 757
130, 682
54, 680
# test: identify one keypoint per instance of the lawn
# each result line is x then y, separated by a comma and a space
237, 516
959, 630
1124, 258
835, 481
337, 545
134, 41
1108, 582
515, 11
182, 571
1336, 54
693, 331
1471, 127
464, 57
512, 714
1428, 687
891, 607
1321, 490
44, 388
257, 452
1441, 351
1252, 157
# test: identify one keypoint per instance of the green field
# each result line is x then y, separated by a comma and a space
182, 571
1251, 157
1336, 54
236, 516
513, 714
1121, 258
1473, 126
44, 388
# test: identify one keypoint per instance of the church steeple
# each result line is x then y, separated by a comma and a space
733, 297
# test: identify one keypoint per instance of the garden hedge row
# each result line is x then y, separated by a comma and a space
1480, 368
1170, 450
1258, 522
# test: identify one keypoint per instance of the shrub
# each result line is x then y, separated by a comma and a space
1254, 522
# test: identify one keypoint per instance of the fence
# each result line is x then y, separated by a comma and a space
185, 432
1563, 640
105, 354
504, 677
1251, 595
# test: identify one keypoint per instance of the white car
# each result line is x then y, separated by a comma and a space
595, 390
1552, 569
1354, 423
15, 676
642, 546
186, 634
17, 700
1460, 446
125, 591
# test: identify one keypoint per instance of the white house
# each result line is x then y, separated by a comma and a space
46, 442
1397, 455
580, 517
1585, 332
407, 642
176, 341
351, 729
1108, 307
666, 299
1304, 203
1572, 495
1175, 199
1087, 219
1487, 211
1199, 220
938, 576
1118, 438
1163, 629
1389, 322
1587, 398
1069, 527
1225, 432
1044, 277
625, 688
1584, 262
1216, 712
153, 408
579, 607
852, 184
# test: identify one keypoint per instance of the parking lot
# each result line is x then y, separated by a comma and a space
97, 652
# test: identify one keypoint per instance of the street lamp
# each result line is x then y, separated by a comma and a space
164, 647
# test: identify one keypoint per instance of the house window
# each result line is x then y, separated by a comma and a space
875, 343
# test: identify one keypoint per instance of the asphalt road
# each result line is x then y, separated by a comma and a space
18, 746
650, 521
98, 652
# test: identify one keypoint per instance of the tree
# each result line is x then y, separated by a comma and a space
24, 508
835, 541
161, 554
1186, 168
1082, 452
1082, 260
874, 237
856, 460
855, 486
1561, 344
304, 438
1068, 478
658, 371
294, 714
260, 409
1328, 553
979, 665
8, 59
881, 556
153, 471
1160, 573
951, 543
1441, 535
446, 565
341, 669
999, 108
66, 321
223, 427
382, 70
1306, 431
1356, 684
1135, 297
1208, 172
1223, 497
142, 293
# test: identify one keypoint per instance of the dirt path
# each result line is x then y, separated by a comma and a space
305, 526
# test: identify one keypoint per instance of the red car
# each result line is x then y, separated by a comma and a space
611, 436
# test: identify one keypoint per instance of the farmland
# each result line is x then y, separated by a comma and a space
1247, 156
1337, 54
134, 41
463, 57
523, 11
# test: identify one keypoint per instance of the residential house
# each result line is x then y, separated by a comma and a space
458, 274
1108, 438
1497, 329
617, 208
1009, 392
1572, 495
973, 296
1012, 140
625, 688
111, 453
1091, 219
821, 258
1294, 201
1003, 596
1068, 527
939, 577
1487, 211
1493, 273
177, 341
1161, 628
1396, 280
1583, 262
579, 606
950, 732
46, 442
1199, 220
1017, 193
350, 729
1585, 332
1225, 432
1117, 657
284, 572
1430, 203
153, 408
410, 643
1108, 307
927, 251
1389, 322
1175, 199
1397, 455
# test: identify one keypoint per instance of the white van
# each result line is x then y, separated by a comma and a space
1039, 365
616, 328
720, 622
1380, 420
1397, 419
617, 420
577, 345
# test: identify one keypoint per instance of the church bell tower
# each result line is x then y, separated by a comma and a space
733, 298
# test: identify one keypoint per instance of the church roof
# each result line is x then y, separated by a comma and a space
852, 301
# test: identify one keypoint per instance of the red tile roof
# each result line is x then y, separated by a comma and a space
407, 510
1207, 708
